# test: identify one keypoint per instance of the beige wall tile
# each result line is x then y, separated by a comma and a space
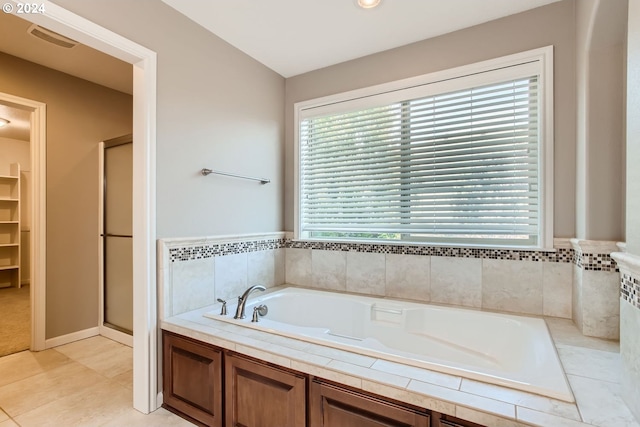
456, 281
298, 266
366, 273
601, 304
514, 286
191, 284
329, 270
630, 355
230, 276
557, 289
408, 276
261, 268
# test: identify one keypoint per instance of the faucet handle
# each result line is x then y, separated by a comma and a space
258, 311
223, 309
255, 318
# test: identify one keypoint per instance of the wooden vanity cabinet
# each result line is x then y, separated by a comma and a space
192, 379
335, 406
214, 387
260, 395
448, 421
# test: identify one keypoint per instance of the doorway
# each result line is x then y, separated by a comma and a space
15, 174
116, 239
35, 120
145, 338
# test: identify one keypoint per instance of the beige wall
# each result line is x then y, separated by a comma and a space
633, 129
217, 108
629, 314
80, 114
600, 45
549, 25
12, 151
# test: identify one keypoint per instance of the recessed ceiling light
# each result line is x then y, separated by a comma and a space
4, 122
368, 4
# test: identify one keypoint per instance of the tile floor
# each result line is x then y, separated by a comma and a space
85, 383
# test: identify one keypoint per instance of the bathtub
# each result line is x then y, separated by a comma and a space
507, 350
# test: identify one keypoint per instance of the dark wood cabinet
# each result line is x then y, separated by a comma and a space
335, 406
214, 387
192, 379
449, 421
259, 395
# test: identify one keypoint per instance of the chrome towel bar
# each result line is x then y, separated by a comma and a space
206, 172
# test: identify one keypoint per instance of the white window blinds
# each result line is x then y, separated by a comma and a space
460, 166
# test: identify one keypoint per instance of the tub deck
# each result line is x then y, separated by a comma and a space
592, 366
506, 350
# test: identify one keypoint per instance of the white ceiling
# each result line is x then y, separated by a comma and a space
80, 61
296, 36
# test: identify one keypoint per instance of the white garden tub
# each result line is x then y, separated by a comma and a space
512, 351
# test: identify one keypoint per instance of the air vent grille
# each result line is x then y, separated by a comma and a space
51, 37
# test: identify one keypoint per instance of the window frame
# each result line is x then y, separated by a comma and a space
543, 57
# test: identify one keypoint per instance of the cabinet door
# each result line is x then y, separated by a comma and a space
258, 395
333, 406
192, 383
448, 421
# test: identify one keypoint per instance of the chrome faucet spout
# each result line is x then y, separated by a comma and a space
242, 300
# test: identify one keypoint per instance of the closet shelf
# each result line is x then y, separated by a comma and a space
10, 205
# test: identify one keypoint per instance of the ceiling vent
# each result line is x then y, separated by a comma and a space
51, 37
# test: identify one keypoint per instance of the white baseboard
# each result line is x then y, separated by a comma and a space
159, 399
118, 336
74, 336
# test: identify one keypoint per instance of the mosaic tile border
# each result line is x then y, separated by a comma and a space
630, 289
557, 255
187, 253
594, 262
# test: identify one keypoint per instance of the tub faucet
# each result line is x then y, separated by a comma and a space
242, 301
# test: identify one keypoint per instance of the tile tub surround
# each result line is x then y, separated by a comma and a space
578, 282
525, 282
629, 266
596, 289
195, 272
592, 366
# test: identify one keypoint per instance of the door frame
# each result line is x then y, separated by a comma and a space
145, 335
37, 234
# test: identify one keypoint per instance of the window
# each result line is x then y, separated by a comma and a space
459, 158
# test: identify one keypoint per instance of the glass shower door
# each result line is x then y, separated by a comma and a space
118, 235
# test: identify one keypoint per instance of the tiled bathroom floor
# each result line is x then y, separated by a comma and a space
85, 383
